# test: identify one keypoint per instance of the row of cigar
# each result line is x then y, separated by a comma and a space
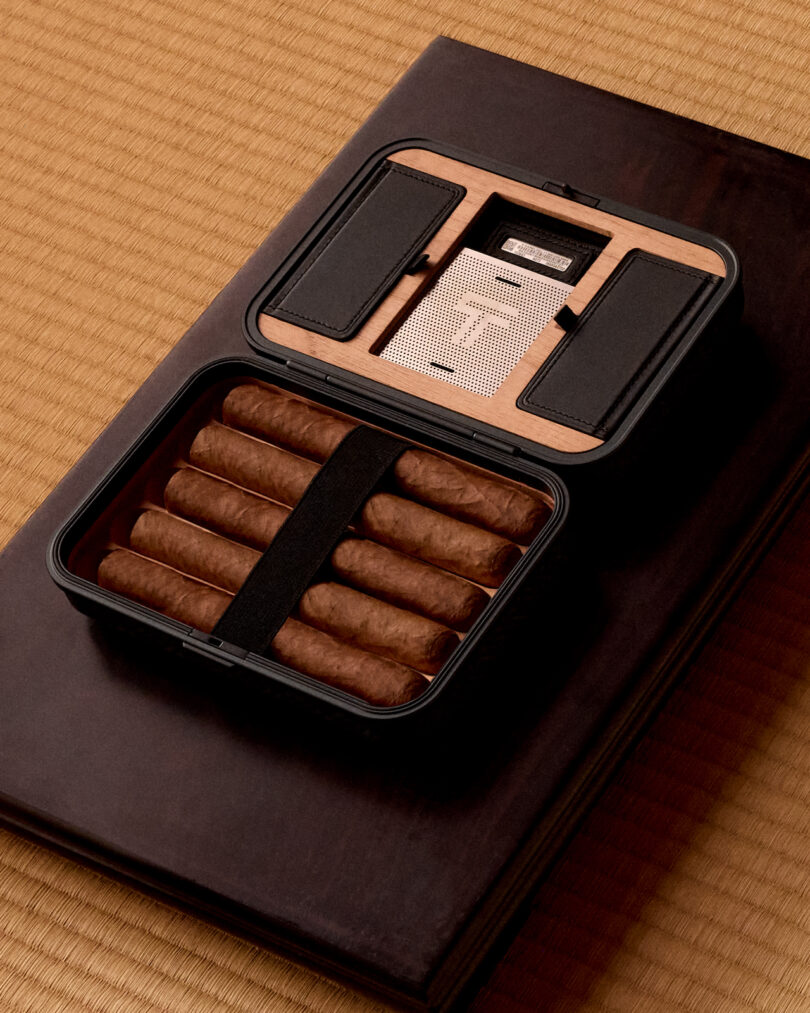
406, 580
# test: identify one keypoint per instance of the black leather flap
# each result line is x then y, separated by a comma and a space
617, 344
373, 241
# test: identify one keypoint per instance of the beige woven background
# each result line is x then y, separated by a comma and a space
148, 146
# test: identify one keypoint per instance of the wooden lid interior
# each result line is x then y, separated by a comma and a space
360, 354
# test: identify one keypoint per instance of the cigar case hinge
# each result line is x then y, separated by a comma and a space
302, 367
213, 647
489, 441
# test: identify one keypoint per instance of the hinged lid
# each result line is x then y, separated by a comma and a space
466, 292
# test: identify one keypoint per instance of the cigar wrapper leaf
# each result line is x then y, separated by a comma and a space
364, 564
349, 615
516, 514
401, 524
310, 651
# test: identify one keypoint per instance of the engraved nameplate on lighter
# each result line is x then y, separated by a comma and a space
556, 261
476, 322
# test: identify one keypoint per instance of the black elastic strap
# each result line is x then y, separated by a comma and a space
306, 539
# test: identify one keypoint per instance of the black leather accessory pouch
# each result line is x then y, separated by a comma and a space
536, 242
372, 243
617, 343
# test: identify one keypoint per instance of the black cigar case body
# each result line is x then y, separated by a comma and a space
644, 327
140, 476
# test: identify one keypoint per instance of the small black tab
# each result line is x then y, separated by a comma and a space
490, 441
419, 263
566, 190
566, 317
213, 648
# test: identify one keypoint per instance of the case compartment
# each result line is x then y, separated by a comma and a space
105, 520
535, 241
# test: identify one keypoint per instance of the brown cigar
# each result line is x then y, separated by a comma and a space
252, 463
375, 679
377, 626
454, 545
192, 550
412, 528
515, 513
162, 589
349, 615
224, 508
409, 583
366, 565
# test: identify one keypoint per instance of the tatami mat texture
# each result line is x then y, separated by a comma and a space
147, 148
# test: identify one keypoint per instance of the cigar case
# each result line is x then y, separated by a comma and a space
544, 334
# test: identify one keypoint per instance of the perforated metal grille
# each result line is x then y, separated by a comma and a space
476, 322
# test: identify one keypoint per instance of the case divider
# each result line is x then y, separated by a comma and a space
306, 539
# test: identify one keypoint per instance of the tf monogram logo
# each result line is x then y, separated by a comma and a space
480, 312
